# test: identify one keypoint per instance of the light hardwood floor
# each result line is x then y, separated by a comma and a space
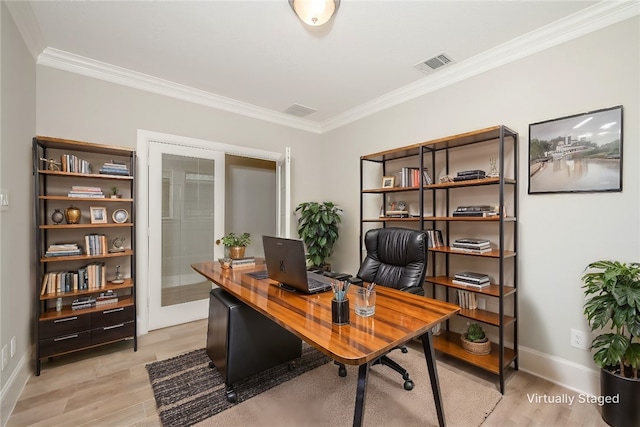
111, 388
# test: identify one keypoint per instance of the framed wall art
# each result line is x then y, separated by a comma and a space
577, 154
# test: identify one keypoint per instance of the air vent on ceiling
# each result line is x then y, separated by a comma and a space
299, 110
433, 63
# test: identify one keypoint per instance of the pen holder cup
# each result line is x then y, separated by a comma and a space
340, 312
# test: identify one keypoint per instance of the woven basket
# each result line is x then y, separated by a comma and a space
479, 348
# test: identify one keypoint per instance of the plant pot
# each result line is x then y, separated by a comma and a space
480, 348
236, 252
620, 399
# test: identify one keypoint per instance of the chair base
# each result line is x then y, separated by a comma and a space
386, 361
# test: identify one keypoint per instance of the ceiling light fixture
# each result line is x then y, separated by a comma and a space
314, 12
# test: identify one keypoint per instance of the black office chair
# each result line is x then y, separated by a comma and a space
396, 258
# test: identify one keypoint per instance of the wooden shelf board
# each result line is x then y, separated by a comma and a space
86, 199
449, 343
492, 254
67, 311
71, 145
442, 185
84, 175
491, 290
485, 316
127, 252
67, 226
128, 283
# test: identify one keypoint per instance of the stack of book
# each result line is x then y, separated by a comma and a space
83, 302
63, 249
105, 298
471, 279
114, 168
397, 214
95, 244
474, 246
243, 262
85, 191
470, 174
476, 210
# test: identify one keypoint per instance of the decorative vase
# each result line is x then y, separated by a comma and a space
620, 407
72, 215
477, 347
57, 216
236, 252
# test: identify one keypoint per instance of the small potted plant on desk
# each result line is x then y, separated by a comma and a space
236, 244
613, 304
475, 341
318, 228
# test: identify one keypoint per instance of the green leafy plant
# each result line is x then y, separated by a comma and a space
234, 240
613, 292
115, 190
318, 228
475, 333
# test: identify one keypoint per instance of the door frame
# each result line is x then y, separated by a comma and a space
144, 137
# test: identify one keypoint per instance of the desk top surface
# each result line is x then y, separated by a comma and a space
399, 317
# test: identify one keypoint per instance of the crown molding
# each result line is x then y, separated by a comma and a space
591, 19
581, 23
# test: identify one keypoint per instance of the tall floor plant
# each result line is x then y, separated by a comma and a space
318, 228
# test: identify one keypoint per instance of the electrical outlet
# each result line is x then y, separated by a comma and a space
5, 357
13, 346
579, 339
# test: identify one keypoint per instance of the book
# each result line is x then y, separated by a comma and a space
472, 241
471, 245
475, 214
434, 238
471, 251
471, 172
469, 284
475, 208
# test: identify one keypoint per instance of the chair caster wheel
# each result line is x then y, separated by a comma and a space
404, 350
291, 367
211, 365
232, 396
342, 371
408, 385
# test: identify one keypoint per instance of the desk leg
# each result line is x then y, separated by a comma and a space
429, 355
361, 393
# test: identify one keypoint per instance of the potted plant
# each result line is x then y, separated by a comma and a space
115, 193
613, 305
475, 341
318, 228
235, 243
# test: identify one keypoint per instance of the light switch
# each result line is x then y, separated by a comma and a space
4, 200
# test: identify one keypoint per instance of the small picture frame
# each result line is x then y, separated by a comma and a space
98, 215
388, 181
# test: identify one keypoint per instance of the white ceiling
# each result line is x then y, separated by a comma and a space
257, 58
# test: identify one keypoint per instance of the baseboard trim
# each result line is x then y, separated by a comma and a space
559, 371
13, 388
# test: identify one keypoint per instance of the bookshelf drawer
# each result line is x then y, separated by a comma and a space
64, 343
65, 326
112, 333
112, 316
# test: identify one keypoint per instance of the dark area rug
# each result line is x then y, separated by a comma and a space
188, 391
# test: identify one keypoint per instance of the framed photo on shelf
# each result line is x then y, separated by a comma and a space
98, 215
581, 153
388, 181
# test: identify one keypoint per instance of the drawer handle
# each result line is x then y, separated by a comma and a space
68, 337
113, 310
113, 327
66, 320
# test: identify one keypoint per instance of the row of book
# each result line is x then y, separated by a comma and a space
469, 245
63, 249
114, 168
467, 300
91, 276
95, 244
86, 192
471, 279
411, 177
72, 163
434, 238
105, 298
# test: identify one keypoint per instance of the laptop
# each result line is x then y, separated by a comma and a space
286, 264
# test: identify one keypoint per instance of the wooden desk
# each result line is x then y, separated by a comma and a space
400, 317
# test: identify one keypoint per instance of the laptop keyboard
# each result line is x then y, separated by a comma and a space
315, 284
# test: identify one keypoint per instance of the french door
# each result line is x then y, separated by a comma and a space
186, 213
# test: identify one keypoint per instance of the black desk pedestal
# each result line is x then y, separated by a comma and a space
242, 342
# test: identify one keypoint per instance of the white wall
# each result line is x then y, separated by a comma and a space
559, 234
17, 126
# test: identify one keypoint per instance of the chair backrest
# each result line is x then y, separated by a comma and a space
396, 257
